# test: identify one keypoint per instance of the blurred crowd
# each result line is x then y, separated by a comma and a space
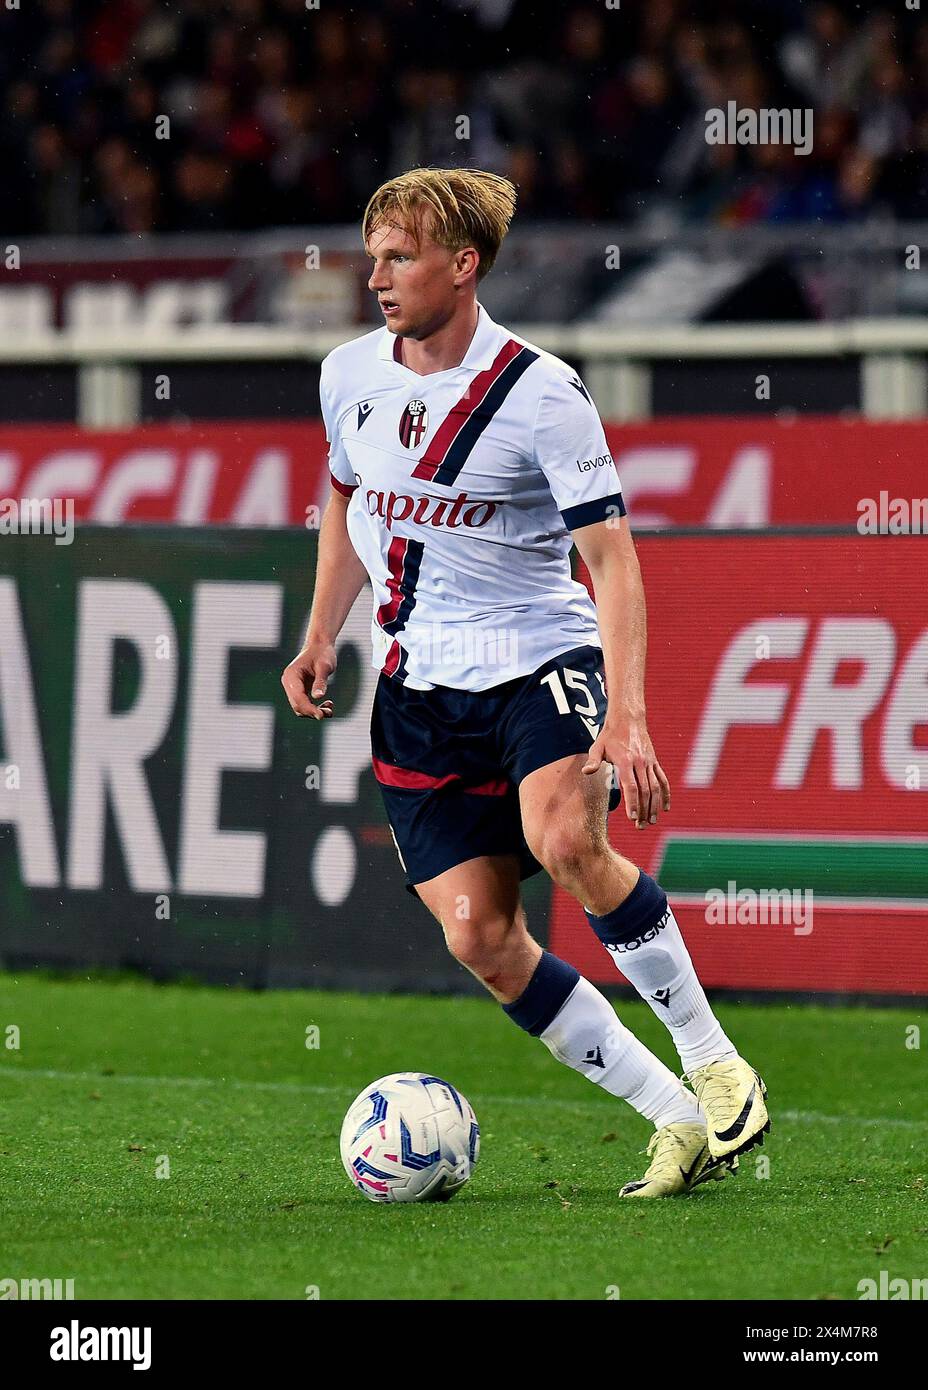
281, 114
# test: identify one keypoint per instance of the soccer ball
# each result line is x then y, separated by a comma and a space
409, 1137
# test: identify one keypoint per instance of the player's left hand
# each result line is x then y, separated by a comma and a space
627, 744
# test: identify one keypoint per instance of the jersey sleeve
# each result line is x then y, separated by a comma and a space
570, 448
342, 474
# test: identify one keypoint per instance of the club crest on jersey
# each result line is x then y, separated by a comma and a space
414, 423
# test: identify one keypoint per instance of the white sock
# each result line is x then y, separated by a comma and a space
662, 972
587, 1036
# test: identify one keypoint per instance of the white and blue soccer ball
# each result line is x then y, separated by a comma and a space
410, 1137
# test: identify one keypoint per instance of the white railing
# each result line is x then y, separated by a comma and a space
892, 356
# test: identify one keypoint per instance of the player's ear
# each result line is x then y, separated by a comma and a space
466, 262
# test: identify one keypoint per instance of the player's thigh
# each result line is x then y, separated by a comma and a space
564, 810
484, 889
546, 733
476, 902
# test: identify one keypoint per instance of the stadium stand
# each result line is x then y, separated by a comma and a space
281, 115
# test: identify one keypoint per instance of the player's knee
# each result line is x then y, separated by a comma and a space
477, 946
565, 851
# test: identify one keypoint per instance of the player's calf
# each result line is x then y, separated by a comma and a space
478, 907
496, 949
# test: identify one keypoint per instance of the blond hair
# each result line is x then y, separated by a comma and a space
455, 207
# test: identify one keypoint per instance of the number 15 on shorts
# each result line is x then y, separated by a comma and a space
577, 681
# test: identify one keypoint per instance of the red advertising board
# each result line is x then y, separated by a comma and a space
756, 472
259, 473
725, 473
787, 694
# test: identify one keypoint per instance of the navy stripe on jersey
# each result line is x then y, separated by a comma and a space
467, 436
472, 399
402, 670
588, 513
396, 663
405, 561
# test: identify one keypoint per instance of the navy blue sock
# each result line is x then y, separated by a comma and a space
640, 912
544, 995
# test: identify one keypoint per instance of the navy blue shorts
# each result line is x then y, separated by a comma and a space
449, 762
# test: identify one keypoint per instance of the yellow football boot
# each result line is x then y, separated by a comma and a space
680, 1160
731, 1094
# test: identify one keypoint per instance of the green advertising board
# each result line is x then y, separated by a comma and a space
160, 805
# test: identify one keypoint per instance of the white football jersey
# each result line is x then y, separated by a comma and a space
465, 486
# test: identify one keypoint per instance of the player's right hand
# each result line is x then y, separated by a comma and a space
308, 675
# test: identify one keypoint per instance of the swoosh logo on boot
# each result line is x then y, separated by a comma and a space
686, 1175
734, 1130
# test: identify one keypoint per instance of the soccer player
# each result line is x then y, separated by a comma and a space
463, 460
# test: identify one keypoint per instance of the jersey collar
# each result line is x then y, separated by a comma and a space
484, 346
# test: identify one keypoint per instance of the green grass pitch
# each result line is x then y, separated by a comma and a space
111, 1076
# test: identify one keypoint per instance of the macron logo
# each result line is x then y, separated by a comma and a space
363, 411
76, 1343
